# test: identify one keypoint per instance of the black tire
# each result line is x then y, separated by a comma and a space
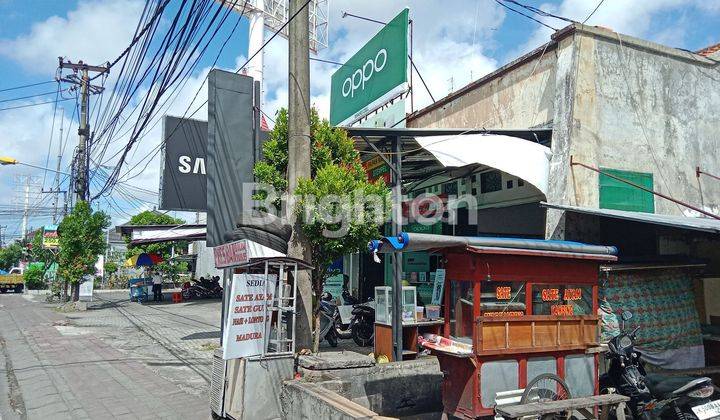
19, 288
187, 294
3, 291
541, 389
331, 338
363, 334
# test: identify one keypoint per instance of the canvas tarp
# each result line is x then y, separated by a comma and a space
663, 306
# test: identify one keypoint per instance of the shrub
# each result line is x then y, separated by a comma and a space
33, 277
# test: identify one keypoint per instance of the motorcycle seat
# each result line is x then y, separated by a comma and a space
664, 386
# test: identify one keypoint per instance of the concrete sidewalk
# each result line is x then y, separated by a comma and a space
117, 360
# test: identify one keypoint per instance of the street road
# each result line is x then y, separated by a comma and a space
116, 360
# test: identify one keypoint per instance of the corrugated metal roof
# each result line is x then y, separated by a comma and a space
708, 51
703, 224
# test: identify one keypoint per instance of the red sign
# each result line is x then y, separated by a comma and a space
232, 254
550, 295
508, 313
566, 310
572, 294
502, 293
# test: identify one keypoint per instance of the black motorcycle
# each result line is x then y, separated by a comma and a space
343, 330
654, 396
203, 288
362, 324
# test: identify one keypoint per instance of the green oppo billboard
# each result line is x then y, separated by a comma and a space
373, 73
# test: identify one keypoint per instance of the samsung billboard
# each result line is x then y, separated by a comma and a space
183, 182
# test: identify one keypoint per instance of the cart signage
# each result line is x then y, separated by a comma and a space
549, 295
439, 286
502, 293
572, 294
562, 310
246, 327
232, 254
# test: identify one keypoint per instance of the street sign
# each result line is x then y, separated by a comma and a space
376, 73
183, 182
231, 254
246, 326
50, 239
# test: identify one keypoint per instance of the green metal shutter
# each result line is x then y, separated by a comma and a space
621, 196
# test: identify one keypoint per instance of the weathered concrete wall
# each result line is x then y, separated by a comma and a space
643, 107
519, 97
304, 400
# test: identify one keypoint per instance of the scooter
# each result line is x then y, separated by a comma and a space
204, 288
654, 396
328, 314
362, 324
343, 330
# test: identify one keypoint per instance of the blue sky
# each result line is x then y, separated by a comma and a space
462, 40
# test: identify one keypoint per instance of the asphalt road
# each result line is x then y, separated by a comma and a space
116, 360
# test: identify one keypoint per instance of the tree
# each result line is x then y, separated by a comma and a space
39, 254
81, 240
339, 209
34, 277
110, 268
164, 249
11, 256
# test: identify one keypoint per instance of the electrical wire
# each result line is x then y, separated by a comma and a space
26, 86
35, 104
501, 3
593, 12
30, 96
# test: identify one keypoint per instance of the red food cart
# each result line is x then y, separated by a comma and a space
526, 308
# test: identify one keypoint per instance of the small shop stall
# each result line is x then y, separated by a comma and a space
512, 309
139, 286
258, 324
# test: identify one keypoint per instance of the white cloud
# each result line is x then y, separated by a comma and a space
95, 32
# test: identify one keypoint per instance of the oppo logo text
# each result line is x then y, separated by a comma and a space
363, 74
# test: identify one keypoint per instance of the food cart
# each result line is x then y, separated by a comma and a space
513, 309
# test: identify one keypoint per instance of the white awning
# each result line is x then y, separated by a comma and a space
519, 157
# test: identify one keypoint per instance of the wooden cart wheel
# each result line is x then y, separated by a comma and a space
544, 388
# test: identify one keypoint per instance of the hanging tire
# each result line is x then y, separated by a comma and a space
187, 294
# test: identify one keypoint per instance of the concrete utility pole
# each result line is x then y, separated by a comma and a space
299, 157
26, 207
2, 238
86, 89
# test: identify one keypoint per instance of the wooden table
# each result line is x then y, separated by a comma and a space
411, 332
564, 408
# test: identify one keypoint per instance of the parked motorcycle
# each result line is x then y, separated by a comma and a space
362, 324
654, 396
203, 288
328, 314
343, 330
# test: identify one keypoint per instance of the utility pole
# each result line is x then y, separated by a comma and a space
299, 157
26, 207
2, 238
82, 160
56, 182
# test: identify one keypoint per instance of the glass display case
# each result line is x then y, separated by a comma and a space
383, 304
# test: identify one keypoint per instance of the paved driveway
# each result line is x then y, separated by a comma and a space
116, 360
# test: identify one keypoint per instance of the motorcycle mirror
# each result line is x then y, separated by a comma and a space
626, 315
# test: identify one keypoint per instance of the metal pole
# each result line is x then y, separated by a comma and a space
81, 186
397, 256
225, 302
412, 87
26, 206
299, 156
56, 181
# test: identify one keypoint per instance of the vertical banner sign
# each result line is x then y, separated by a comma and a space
374, 74
230, 152
246, 328
438, 287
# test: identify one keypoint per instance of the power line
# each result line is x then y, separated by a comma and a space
526, 15
33, 96
26, 86
35, 104
593, 12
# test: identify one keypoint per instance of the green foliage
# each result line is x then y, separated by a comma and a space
111, 268
34, 278
81, 241
40, 254
10, 256
164, 249
336, 171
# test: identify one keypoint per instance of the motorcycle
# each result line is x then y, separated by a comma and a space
328, 314
204, 288
343, 330
654, 396
362, 324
